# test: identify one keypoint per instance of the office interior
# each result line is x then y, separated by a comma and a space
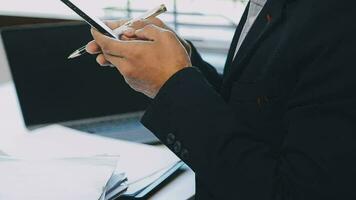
198, 21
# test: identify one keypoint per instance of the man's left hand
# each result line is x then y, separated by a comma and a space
147, 63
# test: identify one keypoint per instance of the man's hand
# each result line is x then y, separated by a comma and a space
93, 48
148, 63
129, 34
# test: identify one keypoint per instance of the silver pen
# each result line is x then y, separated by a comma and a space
151, 13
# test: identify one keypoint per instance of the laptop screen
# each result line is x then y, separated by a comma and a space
52, 88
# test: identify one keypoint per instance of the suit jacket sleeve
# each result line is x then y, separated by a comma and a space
193, 120
316, 158
210, 73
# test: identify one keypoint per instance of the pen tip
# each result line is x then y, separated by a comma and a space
71, 56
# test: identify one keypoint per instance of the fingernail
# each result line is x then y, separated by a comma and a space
108, 65
87, 49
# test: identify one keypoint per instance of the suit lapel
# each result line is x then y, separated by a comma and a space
269, 17
235, 39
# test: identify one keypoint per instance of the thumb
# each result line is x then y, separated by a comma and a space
150, 32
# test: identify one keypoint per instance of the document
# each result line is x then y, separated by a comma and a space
56, 147
59, 178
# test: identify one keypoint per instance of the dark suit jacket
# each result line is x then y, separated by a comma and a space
281, 122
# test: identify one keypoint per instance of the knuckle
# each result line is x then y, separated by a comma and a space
100, 59
156, 21
169, 34
149, 27
106, 47
129, 31
104, 58
137, 24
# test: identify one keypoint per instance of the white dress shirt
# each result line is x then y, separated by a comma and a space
255, 8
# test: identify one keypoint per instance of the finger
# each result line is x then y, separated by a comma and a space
93, 48
109, 45
138, 24
115, 24
101, 60
129, 29
129, 32
118, 48
149, 32
124, 37
120, 63
156, 21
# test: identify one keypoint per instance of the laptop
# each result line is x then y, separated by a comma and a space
77, 93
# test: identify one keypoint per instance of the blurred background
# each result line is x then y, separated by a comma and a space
209, 24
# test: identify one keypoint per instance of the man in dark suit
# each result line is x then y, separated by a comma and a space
280, 123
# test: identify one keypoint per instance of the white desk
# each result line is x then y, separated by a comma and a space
182, 187
4, 68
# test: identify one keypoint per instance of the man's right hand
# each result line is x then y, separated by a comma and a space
129, 34
94, 48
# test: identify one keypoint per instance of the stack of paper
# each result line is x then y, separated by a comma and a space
143, 187
60, 178
61, 163
115, 187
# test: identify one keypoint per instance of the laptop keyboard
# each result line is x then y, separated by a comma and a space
108, 126
125, 128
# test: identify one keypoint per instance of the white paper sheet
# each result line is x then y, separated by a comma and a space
136, 160
65, 178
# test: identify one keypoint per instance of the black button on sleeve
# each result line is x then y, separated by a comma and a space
170, 139
177, 147
184, 154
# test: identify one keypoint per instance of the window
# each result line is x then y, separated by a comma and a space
209, 24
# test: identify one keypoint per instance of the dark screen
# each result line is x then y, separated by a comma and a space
52, 88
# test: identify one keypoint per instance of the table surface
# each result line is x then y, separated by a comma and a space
4, 67
181, 187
